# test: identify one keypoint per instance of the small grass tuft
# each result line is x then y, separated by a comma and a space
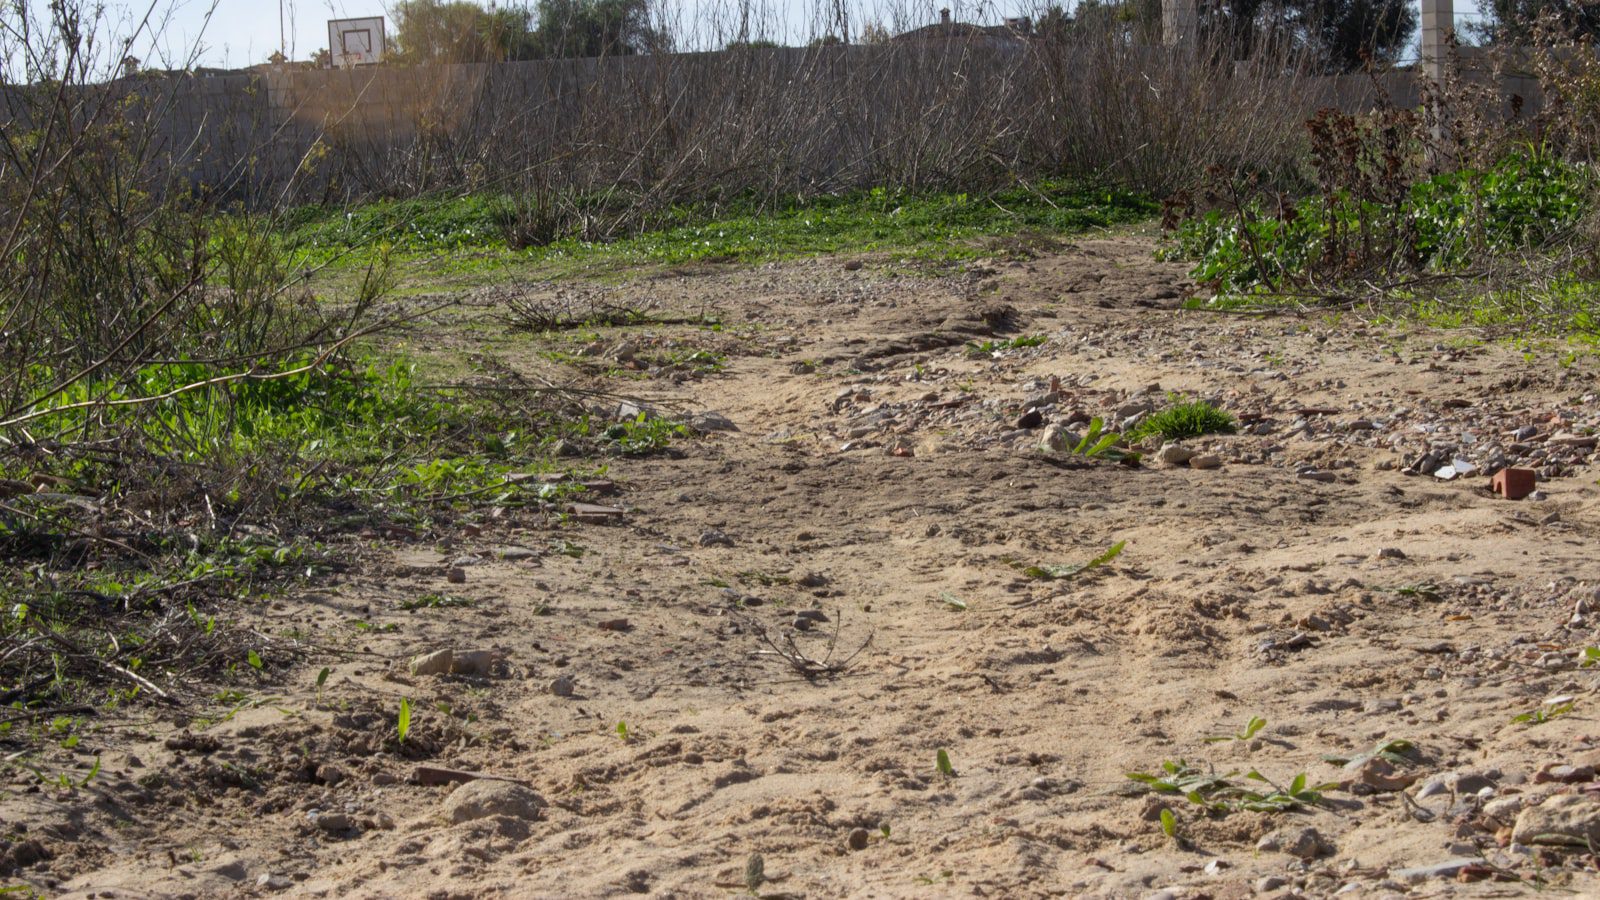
1185, 419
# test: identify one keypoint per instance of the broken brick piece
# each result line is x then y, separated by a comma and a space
590, 513
1513, 484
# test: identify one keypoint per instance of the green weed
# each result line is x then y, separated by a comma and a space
434, 601
1071, 570
1546, 711
996, 347
1222, 794
1255, 724
403, 720
1184, 419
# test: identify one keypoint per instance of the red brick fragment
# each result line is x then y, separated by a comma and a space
1513, 484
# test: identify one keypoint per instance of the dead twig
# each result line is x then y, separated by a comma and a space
808, 667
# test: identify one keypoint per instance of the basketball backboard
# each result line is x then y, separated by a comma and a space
355, 42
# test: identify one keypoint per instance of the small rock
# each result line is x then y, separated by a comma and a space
709, 421
561, 686
1270, 883
1503, 809
812, 580
457, 662
488, 797
274, 882
1447, 869
1562, 819
1378, 774
1472, 782
1056, 437
1305, 843
1205, 461
329, 774
1565, 774
1317, 475
334, 822
456, 575
435, 663
858, 839
1391, 553
1176, 455
1030, 419
715, 538
476, 662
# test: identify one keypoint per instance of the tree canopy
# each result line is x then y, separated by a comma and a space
460, 31
1341, 34
1515, 21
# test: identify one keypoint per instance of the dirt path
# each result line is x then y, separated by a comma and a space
875, 507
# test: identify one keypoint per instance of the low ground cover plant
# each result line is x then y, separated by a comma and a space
1447, 223
744, 229
1184, 419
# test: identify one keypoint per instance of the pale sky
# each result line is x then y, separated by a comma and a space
237, 33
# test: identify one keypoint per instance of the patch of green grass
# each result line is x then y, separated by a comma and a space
992, 347
938, 226
1184, 419
434, 601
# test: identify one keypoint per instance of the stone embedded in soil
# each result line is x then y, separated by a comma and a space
1056, 437
859, 838
329, 774
1447, 869
484, 798
456, 575
456, 662
561, 686
1030, 419
715, 538
710, 421
1562, 819
436, 663
1175, 455
1205, 461
1377, 774
1305, 843
334, 822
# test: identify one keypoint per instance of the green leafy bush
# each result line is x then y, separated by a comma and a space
1442, 224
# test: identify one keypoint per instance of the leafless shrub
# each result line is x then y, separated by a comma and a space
601, 147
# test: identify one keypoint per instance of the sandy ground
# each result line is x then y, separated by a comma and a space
878, 503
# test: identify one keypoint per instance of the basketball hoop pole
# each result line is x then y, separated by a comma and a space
283, 43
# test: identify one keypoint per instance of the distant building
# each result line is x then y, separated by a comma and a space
1015, 31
